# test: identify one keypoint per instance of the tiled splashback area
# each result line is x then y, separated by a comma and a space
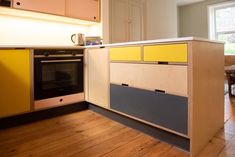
16, 30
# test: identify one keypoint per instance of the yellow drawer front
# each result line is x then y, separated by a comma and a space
14, 82
166, 53
125, 54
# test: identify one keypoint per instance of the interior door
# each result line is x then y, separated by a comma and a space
135, 20
119, 20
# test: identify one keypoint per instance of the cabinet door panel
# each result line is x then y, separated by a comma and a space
50, 6
164, 110
136, 21
83, 9
170, 78
166, 53
14, 82
119, 20
125, 54
98, 77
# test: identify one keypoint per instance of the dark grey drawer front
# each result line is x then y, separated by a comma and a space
166, 110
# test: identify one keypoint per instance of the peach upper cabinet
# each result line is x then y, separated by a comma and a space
56, 7
80, 9
83, 9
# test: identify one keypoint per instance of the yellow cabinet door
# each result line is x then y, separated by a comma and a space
14, 82
125, 53
166, 53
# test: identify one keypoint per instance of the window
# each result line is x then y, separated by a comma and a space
222, 25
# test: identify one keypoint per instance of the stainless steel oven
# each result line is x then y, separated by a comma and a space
58, 77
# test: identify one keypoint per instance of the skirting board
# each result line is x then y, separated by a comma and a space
40, 115
160, 134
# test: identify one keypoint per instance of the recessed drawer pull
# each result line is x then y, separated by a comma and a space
159, 91
123, 84
162, 62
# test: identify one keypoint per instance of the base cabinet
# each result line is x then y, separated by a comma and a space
162, 109
14, 82
98, 77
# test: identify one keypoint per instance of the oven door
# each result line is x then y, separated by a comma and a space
57, 76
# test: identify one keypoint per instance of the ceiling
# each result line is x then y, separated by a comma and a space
185, 2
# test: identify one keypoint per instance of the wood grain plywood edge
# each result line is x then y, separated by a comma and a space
206, 93
31, 69
189, 81
86, 85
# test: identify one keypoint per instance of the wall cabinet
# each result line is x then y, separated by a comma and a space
15, 82
98, 77
80, 9
126, 20
85, 10
50, 6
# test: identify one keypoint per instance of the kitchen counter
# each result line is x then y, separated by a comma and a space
168, 84
110, 45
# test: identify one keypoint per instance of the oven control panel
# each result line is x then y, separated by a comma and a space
52, 52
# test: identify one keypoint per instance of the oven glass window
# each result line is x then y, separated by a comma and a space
57, 77
63, 76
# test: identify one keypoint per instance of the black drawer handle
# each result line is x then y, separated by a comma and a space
123, 84
17, 3
162, 62
159, 91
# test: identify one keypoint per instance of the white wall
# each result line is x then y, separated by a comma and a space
17, 30
193, 19
161, 19
102, 28
105, 20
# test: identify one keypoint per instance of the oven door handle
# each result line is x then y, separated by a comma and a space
61, 61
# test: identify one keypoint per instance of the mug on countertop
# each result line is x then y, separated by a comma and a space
78, 39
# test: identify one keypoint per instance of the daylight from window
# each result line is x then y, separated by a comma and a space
222, 25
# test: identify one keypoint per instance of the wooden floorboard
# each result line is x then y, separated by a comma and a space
88, 134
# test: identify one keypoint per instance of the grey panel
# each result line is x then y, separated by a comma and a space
166, 110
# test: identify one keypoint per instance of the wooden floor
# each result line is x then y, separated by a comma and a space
87, 134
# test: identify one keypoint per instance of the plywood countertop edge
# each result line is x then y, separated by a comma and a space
158, 41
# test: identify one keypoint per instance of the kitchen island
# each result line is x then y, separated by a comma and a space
175, 85
172, 85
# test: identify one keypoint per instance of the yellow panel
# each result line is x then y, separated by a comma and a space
125, 54
166, 53
14, 82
